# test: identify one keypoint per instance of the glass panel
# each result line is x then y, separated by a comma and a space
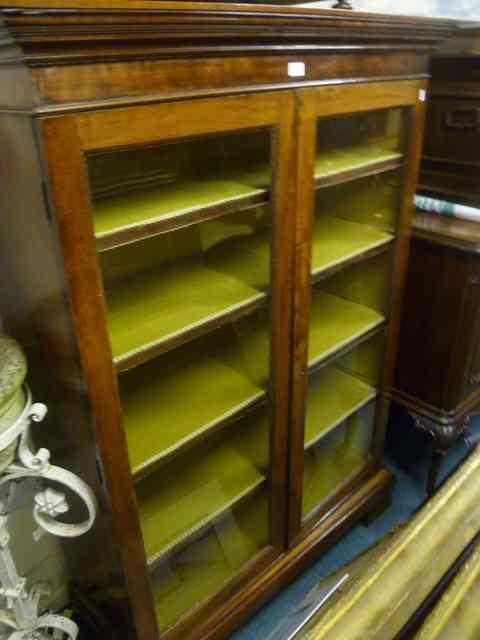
184, 238
358, 141
346, 350
358, 180
372, 201
347, 306
340, 419
155, 184
174, 283
198, 570
336, 458
195, 389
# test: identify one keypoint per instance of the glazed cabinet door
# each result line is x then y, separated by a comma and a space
176, 229
358, 154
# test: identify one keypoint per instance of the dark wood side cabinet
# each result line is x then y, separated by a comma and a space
438, 367
206, 218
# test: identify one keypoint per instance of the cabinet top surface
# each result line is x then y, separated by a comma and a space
35, 12
43, 7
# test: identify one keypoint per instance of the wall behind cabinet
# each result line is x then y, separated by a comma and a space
460, 9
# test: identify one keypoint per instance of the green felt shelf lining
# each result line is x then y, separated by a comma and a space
333, 396
165, 201
335, 322
193, 491
157, 305
138, 207
179, 396
328, 163
154, 307
336, 241
204, 566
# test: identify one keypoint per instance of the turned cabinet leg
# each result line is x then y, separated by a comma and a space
434, 469
443, 436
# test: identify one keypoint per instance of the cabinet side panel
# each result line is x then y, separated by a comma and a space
16, 83
430, 321
35, 311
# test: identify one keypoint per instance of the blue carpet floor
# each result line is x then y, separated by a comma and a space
408, 454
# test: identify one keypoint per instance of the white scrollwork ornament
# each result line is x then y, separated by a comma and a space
19, 620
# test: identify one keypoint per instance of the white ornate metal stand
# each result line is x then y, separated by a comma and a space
20, 620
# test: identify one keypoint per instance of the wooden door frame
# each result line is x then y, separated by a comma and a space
334, 101
65, 140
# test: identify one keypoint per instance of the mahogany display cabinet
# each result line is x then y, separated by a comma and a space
207, 215
438, 368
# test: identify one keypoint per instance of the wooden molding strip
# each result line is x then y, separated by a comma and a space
72, 107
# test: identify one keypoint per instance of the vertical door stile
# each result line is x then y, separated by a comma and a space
283, 197
305, 153
414, 128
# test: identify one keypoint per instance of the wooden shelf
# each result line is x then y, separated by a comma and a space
159, 421
336, 323
153, 311
211, 560
335, 166
138, 214
174, 507
190, 393
350, 163
337, 242
333, 396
